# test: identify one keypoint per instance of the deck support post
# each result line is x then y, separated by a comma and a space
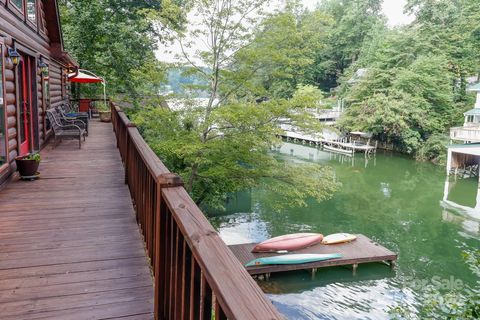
355, 266
314, 272
449, 161
392, 264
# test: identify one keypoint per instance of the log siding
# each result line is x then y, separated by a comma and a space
41, 40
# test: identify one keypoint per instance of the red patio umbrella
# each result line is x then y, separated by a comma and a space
85, 76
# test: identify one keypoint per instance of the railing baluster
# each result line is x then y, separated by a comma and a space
175, 268
168, 267
171, 267
205, 300
186, 281
179, 301
219, 314
195, 288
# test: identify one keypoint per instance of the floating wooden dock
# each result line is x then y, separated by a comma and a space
362, 250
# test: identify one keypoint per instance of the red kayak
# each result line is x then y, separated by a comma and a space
289, 242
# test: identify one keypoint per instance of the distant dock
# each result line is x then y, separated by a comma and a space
362, 250
344, 146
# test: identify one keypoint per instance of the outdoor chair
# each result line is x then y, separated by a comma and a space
73, 111
68, 118
61, 130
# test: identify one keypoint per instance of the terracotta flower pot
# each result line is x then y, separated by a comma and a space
26, 168
105, 116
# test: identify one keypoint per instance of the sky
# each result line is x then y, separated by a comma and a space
393, 10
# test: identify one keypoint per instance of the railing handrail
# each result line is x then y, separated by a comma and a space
471, 128
162, 209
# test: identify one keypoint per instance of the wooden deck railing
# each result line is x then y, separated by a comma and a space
466, 133
196, 274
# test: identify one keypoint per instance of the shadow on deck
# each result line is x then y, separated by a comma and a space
70, 247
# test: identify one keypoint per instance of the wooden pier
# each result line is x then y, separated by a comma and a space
344, 146
362, 250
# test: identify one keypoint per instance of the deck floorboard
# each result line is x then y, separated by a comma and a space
70, 247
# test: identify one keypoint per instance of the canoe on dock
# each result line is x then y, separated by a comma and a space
292, 259
289, 242
362, 250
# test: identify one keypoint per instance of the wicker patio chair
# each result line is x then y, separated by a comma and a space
61, 130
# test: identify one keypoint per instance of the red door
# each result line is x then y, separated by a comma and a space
25, 71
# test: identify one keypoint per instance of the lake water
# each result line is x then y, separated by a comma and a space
406, 206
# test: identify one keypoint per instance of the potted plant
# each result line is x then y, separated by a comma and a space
105, 113
27, 165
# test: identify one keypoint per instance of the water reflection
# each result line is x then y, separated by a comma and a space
406, 206
461, 203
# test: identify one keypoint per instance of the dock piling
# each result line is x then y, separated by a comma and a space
355, 266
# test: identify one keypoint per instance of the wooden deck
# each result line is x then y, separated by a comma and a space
362, 250
70, 247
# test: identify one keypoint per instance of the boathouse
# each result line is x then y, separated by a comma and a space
464, 152
33, 69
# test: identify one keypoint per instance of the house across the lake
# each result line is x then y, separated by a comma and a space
464, 154
33, 76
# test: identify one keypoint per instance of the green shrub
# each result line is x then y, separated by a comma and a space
434, 149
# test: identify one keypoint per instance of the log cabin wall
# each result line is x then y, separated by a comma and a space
31, 27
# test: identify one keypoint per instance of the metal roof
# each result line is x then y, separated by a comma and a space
464, 145
468, 148
472, 112
475, 87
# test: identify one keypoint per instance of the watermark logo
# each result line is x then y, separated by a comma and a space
438, 283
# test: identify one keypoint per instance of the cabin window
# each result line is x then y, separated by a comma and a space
3, 138
32, 10
18, 4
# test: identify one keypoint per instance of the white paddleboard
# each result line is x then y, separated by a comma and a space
338, 238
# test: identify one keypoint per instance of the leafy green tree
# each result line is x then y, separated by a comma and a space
421, 67
223, 145
116, 40
354, 22
283, 50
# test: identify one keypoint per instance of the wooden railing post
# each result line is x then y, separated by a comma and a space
127, 149
166, 180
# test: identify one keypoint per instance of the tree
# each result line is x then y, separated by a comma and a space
421, 69
283, 49
354, 20
115, 39
223, 145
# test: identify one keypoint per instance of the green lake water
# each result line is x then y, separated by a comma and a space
406, 206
